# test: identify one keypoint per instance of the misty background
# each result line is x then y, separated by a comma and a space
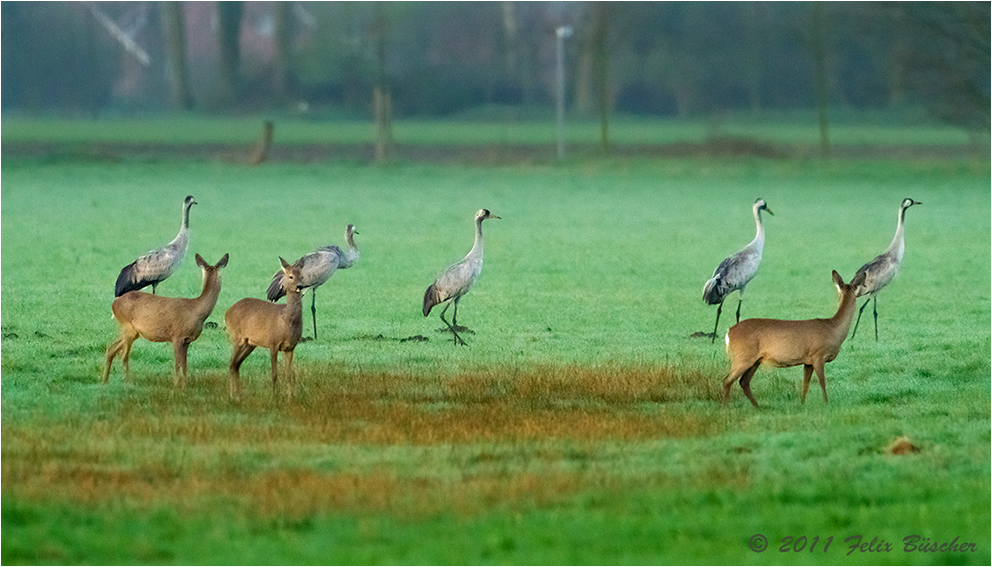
438, 59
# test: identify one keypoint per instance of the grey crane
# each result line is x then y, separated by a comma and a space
735, 272
316, 268
158, 264
455, 282
880, 271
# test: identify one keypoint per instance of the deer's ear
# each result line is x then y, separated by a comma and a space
285, 265
838, 281
200, 261
223, 262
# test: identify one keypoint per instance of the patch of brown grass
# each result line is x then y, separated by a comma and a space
569, 403
162, 446
296, 493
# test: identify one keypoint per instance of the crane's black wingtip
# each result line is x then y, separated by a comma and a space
275, 290
430, 299
126, 280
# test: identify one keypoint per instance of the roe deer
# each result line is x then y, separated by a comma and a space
812, 343
257, 323
158, 319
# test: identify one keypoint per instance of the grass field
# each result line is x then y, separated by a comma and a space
581, 425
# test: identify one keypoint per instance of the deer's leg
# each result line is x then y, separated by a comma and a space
113, 350
180, 349
716, 325
126, 357
746, 382
240, 353
736, 372
818, 366
807, 374
290, 373
274, 357
865, 304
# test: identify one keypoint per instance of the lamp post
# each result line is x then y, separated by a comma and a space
561, 33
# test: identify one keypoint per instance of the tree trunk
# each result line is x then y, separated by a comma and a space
511, 39
820, 83
174, 31
382, 102
282, 20
752, 51
229, 40
601, 62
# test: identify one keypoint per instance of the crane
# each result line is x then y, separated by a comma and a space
157, 264
735, 272
316, 268
880, 271
455, 282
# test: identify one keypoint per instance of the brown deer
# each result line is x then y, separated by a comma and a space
778, 343
158, 319
257, 323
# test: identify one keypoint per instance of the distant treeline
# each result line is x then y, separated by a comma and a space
686, 59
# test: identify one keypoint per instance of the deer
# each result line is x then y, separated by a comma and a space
812, 343
255, 323
158, 319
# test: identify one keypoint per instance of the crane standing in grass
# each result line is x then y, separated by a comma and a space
157, 264
735, 272
458, 279
316, 268
880, 271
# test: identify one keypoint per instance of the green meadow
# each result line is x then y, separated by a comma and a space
582, 424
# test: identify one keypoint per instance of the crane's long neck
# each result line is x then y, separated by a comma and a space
182, 239
898, 243
185, 224
759, 237
352, 253
476, 251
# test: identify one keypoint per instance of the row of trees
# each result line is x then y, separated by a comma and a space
434, 59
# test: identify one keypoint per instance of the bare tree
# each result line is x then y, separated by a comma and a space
818, 49
229, 16
382, 101
601, 63
174, 31
282, 21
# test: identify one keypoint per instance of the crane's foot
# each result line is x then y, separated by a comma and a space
703, 335
457, 329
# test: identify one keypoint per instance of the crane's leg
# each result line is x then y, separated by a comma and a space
739, 300
313, 310
454, 319
719, 308
859, 317
874, 309
154, 285
458, 339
